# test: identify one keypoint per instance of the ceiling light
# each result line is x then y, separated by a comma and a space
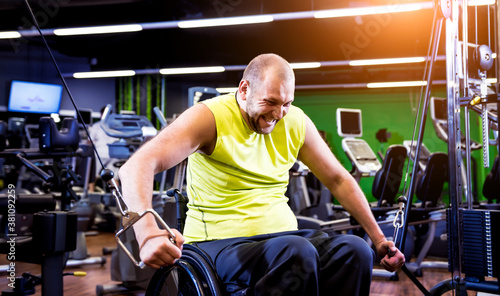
253, 19
192, 70
226, 21
226, 90
357, 11
480, 2
103, 74
98, 30
9, 35
305, 65
216, 69
396, 84
386, 61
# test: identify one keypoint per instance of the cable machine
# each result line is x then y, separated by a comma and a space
473, 234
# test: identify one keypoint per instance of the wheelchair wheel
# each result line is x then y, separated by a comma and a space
191, 275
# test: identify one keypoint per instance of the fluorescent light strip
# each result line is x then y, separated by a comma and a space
226, 90
480, 2
98, 30
357, 11
216, 69
227, 21
192, 70
103, 74
396, 84
305, 65
10, 35
251, 19
386, 61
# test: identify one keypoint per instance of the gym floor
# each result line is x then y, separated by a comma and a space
100, 275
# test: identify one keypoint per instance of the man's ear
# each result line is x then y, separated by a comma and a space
243, 89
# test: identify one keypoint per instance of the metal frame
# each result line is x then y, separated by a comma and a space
459, 93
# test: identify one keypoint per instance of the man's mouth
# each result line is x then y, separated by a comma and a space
268, 120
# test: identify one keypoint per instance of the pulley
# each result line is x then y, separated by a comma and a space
483, 57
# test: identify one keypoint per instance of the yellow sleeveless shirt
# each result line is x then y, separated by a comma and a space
239, 189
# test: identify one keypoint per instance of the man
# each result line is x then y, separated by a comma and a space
240, 149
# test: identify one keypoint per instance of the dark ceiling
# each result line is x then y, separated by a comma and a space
336, 39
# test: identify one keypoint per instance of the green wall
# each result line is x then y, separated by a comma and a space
394, 110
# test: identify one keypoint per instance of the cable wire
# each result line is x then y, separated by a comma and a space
63, 81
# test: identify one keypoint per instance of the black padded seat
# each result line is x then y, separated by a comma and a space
429, 187
388, 179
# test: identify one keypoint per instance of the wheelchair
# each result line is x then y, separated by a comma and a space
192, 274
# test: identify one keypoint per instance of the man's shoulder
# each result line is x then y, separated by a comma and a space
223, 104
222, 99
295, 114
295, 110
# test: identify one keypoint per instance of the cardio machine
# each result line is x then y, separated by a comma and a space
131, 131
54, 231
349, 126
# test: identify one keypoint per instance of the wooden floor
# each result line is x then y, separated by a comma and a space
97, 274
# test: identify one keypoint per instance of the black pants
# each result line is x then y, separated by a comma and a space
303, 262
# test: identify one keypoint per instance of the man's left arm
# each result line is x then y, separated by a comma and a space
323, 164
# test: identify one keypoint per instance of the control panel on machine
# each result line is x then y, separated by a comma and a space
128, 126
349, 126
439, 118
130, 129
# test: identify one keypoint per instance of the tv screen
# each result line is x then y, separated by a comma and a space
439, 109
34, 97
349, 122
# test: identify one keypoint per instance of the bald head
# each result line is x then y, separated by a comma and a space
268, 64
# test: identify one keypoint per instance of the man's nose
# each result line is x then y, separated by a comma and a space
279, 112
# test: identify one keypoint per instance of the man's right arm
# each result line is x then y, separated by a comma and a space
191, 131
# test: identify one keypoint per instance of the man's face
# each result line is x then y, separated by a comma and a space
267, 103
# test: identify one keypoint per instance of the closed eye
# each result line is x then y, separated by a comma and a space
270, 102
274, 103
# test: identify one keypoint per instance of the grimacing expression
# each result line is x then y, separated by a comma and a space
268, 104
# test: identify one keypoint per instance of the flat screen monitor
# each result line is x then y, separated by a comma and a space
34, 97
439, 109
86, 115
349, 123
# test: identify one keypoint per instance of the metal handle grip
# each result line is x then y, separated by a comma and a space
132, 218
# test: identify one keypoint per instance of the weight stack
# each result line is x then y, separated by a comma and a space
481, 242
